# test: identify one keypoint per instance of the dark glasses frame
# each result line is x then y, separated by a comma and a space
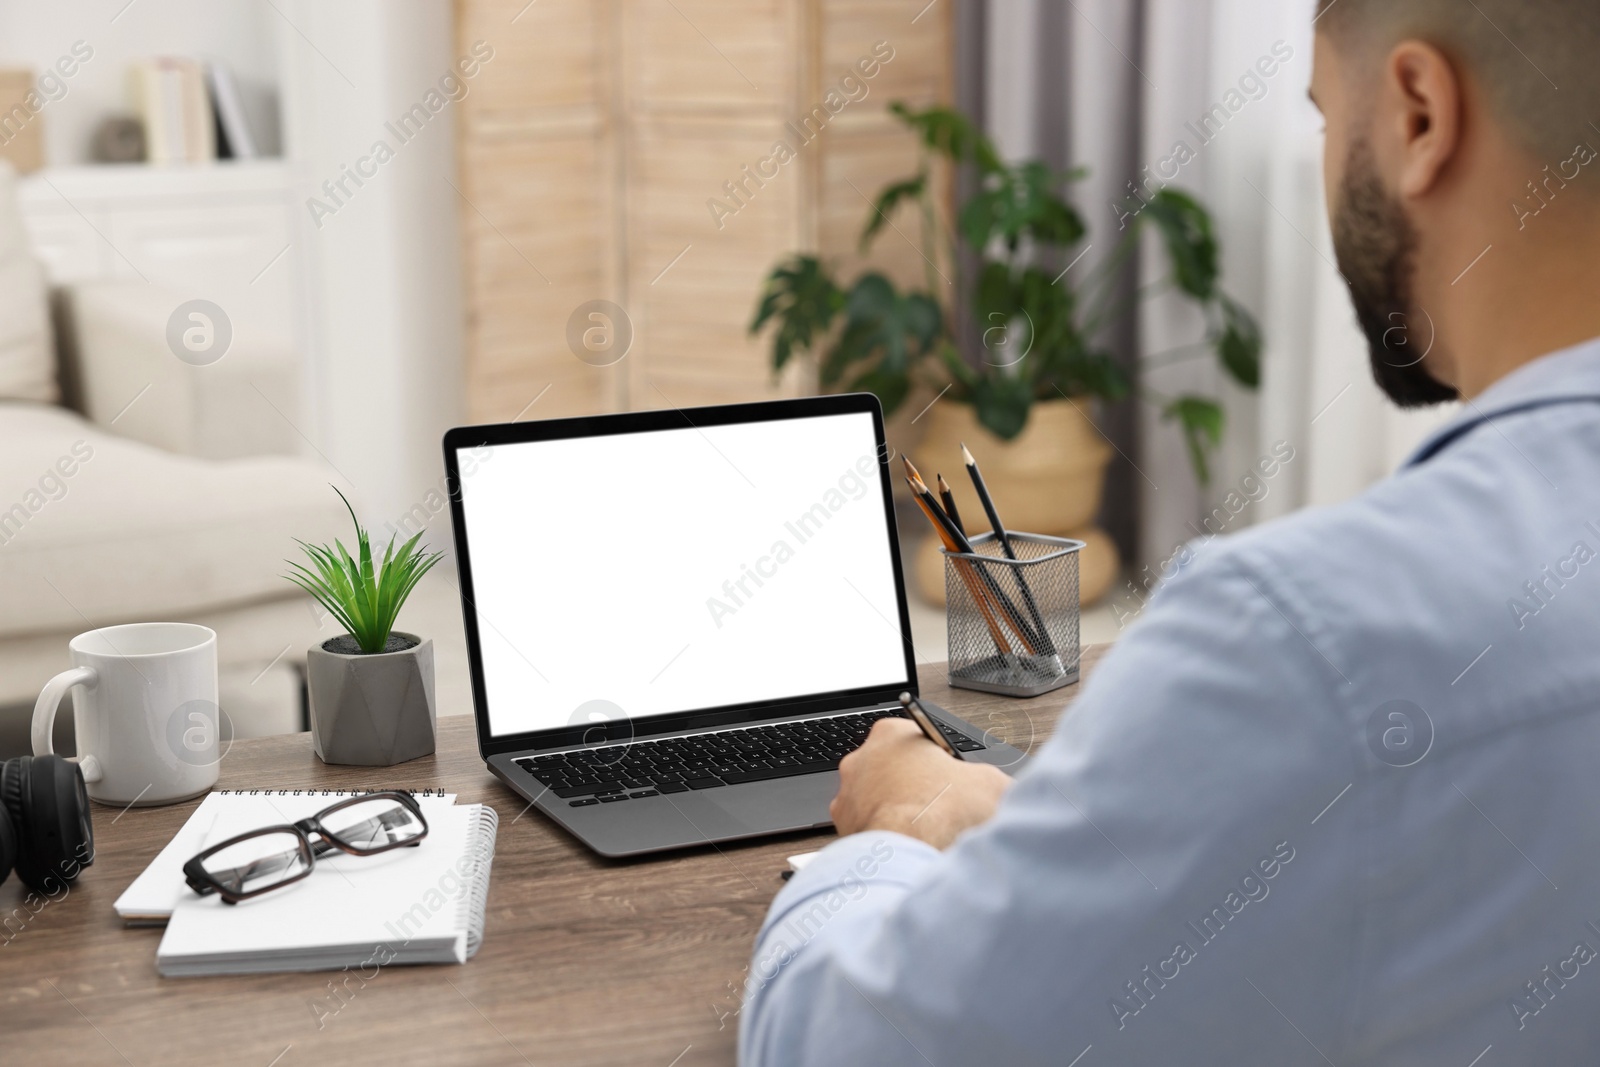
201, 881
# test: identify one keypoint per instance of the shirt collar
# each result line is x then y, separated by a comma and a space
1567, 376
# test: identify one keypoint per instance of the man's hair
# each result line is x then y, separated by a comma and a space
1538, 61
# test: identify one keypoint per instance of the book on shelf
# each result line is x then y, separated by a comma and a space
234, 138
21, 140
171, 99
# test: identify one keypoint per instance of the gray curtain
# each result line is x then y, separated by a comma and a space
1114, 85
1061, 81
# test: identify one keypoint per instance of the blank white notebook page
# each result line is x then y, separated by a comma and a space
676, 570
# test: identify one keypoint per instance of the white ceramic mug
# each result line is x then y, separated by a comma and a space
145, 709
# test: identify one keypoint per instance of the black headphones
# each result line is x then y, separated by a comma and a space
45, 830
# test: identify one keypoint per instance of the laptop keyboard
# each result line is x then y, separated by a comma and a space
706, 761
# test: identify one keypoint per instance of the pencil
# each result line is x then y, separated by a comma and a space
919, 715
1008, 610
1004, 538
974, 590
987, 501
950, 504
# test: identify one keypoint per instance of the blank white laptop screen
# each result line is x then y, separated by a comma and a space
640, 574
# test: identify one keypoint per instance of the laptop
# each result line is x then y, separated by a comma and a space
678, 622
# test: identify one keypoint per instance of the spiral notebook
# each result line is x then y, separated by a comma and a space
413, 905
149, 900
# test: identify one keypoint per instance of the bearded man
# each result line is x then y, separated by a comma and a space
1336, 797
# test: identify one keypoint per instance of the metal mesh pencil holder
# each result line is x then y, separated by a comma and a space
1012, 624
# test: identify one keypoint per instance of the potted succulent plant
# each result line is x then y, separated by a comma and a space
1023, 399
371, 688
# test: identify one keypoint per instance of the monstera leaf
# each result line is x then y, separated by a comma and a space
1050, 308
1022, 202
888, 200
1202, 422
1240, 344
888, 330
1002, 402
1186, 231
951, 134
802, 295
1096, 374
890, 389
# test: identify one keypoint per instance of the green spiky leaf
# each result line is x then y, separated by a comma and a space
364, 595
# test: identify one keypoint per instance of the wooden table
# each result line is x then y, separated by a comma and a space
584, 961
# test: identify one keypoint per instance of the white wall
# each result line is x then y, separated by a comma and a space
387, 378
1317, 388
1261, 176
239, 34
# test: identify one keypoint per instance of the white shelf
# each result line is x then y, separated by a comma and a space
140, 181
229, 232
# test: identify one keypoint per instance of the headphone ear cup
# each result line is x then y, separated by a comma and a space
13, 844
56, 835
8, 836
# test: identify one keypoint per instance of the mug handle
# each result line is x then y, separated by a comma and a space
44, 715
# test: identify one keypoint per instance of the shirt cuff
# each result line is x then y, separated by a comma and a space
849, 868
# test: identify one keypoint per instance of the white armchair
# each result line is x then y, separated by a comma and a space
176, 494
245, 404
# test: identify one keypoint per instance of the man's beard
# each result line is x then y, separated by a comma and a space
1375, 245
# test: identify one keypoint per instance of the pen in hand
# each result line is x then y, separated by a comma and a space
920, 716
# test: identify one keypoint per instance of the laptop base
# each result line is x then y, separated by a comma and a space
668, 822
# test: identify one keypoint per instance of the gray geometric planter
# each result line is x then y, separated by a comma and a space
372, 710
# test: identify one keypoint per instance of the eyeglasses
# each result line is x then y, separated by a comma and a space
275, 856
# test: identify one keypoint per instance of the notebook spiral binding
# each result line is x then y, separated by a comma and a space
325, 792
474, 902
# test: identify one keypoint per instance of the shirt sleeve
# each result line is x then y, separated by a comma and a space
1120, 897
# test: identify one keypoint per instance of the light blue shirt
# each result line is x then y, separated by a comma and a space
1334, 799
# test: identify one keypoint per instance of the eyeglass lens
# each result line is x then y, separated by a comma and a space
372, 824
260, 862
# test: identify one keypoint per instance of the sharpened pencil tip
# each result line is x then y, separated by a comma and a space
913, 477
967, 456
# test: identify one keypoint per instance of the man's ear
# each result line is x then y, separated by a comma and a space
1426, 101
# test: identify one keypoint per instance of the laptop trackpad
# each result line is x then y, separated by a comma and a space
745, 810
779, 803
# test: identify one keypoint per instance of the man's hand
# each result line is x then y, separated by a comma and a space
900, 781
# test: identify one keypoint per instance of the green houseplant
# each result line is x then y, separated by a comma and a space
371, 689
1043, 339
